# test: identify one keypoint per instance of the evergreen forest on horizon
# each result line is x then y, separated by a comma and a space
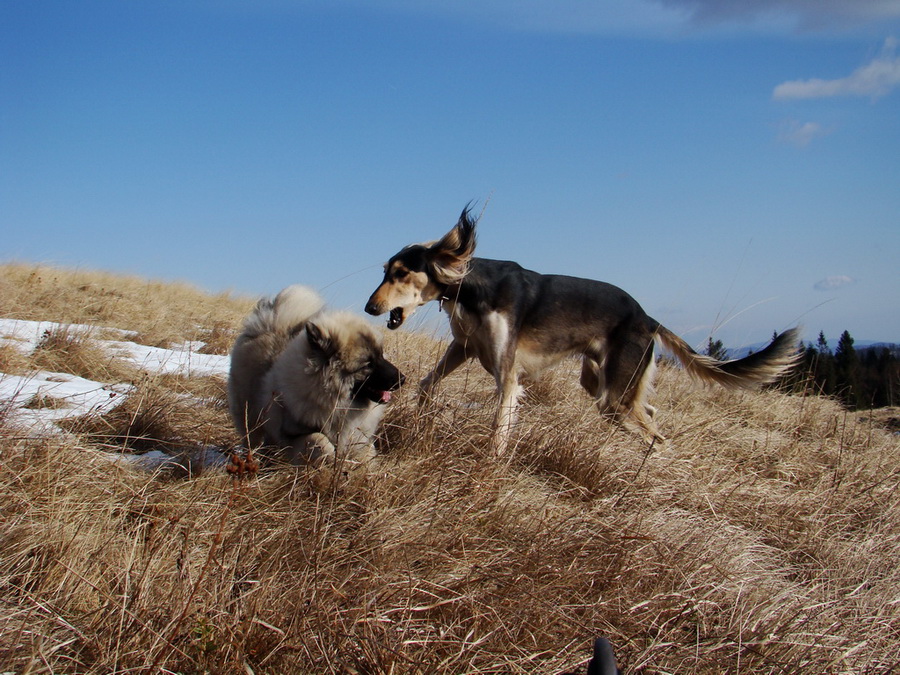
860, 378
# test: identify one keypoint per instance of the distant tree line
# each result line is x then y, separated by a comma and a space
859, 378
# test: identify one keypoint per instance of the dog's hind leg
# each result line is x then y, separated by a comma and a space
628, 375
249, 427
640, 413
593, 377
452, 359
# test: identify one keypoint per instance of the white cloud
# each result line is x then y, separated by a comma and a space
833, 283
874, 79
801, 134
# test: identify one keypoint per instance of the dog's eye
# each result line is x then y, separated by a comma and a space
363, 371
401, 274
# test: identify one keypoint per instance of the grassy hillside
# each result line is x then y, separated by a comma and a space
765, 539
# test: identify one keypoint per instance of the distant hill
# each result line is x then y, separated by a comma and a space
858, 345
865, 346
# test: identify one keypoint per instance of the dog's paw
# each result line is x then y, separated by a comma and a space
317, 448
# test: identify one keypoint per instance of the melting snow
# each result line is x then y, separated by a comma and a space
35, 402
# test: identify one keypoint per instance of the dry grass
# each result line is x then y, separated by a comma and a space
13, 361
163, 413
62, 350
160, 313
766, 539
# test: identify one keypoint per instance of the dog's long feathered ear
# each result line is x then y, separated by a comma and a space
321, 344
450, 255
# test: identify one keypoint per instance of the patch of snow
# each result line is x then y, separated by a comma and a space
179, 361
37, 401
26, 335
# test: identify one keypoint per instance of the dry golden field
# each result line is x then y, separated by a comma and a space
764, 539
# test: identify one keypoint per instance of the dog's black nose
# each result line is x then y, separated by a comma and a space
372, 308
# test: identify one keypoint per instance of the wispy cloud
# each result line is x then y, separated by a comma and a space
806, 14
647, 17
833, 283
874, 79
801, 134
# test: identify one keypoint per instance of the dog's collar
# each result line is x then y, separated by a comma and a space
446, 296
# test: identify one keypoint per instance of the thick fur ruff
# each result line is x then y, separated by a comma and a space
516, 321
309, 382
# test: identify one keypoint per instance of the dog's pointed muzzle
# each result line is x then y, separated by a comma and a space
373, 308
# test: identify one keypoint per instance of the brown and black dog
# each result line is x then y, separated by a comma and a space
516, 321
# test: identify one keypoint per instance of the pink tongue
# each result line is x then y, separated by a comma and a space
385, 396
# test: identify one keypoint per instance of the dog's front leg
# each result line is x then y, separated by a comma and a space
506, 374
500, 360
452, 359
508, 401
315, 448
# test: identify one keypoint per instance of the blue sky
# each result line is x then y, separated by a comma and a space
734, 165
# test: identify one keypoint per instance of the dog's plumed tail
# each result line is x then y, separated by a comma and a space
760, 368
287, 313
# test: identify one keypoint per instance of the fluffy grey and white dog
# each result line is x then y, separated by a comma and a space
309, 382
